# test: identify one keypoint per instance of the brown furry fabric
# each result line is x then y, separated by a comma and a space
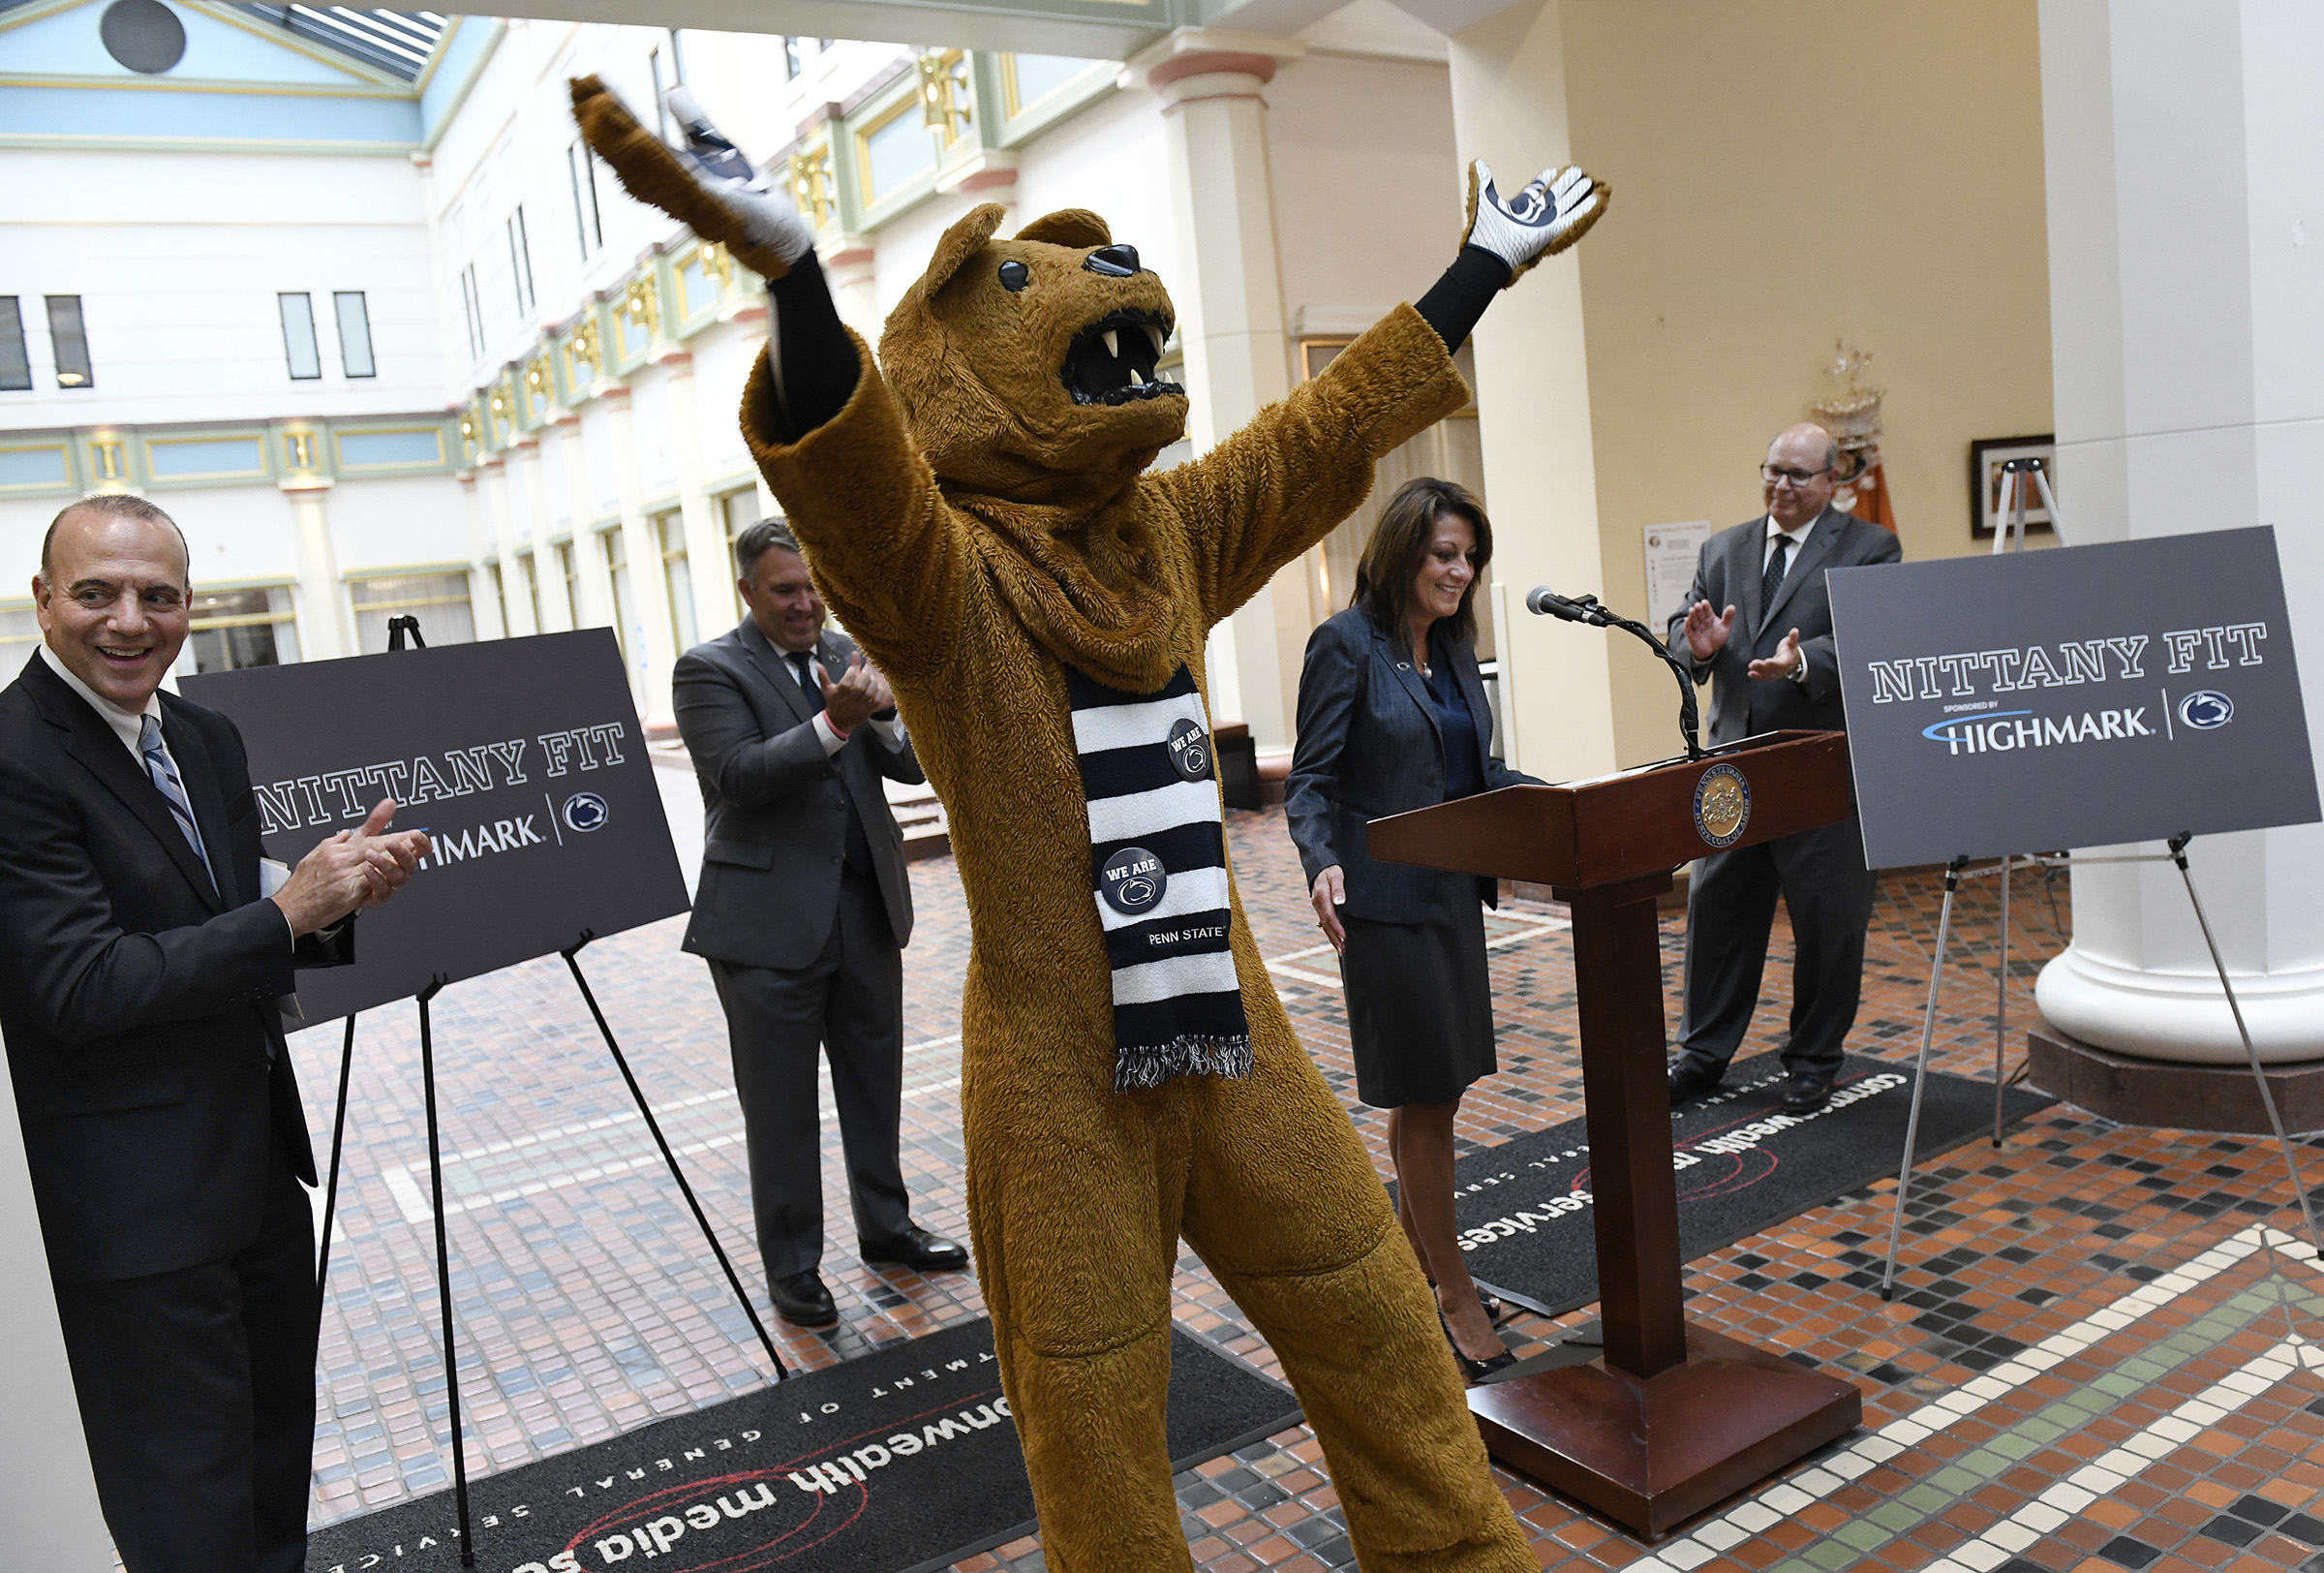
651, 173
974, 528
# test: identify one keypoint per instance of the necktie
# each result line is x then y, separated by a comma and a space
173, 790
1773, 581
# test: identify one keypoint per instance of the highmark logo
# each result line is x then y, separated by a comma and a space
2002, 732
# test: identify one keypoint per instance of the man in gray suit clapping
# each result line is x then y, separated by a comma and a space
1757, 625
802, 913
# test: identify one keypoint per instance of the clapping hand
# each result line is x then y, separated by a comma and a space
1784, 662
1706, 631
858, 695
351, 872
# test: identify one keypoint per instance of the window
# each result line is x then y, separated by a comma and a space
16, 363
572, 584
355, 333
738, 512
617, 568
439, 601
669, 531
236, 628
520, 260
499, 596
472, 306
581, 165
792, 65
67, 337
298, 337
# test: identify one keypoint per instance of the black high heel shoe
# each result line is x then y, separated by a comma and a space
1474, 1371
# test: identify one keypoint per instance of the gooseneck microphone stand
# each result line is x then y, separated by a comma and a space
1544, 602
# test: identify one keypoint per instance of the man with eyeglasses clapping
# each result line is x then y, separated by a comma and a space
1757, 626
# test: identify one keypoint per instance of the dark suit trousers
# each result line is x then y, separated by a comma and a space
850, 1003
197, 1390
1730, 908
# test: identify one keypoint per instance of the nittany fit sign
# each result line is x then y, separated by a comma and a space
522, 760
2076, 698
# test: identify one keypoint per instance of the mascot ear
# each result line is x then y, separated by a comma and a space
1075, 227
959, 244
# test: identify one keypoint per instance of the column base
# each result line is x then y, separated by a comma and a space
1650, 1454
2132, 1091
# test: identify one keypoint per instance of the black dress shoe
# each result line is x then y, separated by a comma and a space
916, 1247
801, 1301
1473, 1371
1692, 1079
1805, 1094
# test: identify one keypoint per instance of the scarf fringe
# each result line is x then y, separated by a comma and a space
1142, 1067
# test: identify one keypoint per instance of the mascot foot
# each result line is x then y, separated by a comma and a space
1556, 210
708, 186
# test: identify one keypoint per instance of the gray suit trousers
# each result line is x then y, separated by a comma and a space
1730, 908
847, 1004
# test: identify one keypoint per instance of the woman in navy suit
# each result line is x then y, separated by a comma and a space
1392, 715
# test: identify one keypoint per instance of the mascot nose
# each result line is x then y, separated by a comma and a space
1115, 262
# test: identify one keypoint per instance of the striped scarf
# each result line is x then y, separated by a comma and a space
1158, 869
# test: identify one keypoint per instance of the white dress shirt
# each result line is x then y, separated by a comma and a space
1799, 539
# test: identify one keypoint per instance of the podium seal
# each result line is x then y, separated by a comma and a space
1722, 805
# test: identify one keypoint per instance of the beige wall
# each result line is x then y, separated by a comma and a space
1786, 172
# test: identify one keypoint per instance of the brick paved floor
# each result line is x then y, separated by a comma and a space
2088, 1368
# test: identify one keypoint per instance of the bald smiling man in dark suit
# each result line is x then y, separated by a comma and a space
139, 966
1757, 626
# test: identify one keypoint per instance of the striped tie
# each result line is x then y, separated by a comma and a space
173, 790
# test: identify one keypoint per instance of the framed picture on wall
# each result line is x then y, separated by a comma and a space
1986, 456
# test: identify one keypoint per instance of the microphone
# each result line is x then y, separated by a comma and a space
1544, 601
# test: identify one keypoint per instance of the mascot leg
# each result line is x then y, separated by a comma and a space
1073, 1201
1288, 1211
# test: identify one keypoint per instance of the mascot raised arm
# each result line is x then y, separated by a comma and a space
977, 510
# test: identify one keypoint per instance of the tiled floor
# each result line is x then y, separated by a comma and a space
2088, 1365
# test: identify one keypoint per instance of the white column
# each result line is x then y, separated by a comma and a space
322, 630
593, 603
2187, 344
648, 636
519, 498
1533, 397
1230, 305
484, 607
516, 617
540, 524
706, 554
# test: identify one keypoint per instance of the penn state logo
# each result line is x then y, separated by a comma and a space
584, 812
1722, 805
1132, 880
1189, 750
2206, 710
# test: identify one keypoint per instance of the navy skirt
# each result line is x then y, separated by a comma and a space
1419, 1008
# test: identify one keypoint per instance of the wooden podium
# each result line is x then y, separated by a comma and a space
1672, 1418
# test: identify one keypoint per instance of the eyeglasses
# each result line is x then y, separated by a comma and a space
1797, 478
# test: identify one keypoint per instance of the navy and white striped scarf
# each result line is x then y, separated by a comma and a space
1158, 872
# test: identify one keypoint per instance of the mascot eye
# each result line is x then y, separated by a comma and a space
1015, 277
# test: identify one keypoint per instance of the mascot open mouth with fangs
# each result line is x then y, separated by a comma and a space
976, 511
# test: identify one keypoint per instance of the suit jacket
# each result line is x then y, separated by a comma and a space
139, 1004
1727, 574
776, 804
1368, 746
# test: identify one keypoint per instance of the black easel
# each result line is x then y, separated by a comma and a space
398, 629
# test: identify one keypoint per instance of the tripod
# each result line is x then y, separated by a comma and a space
398, 629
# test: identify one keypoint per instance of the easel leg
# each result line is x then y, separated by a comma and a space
330, 1194
1920, 1073
669, 1157
2266, 1098
2001, 1004
444, 1276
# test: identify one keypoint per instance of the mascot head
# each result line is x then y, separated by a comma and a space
1026, 366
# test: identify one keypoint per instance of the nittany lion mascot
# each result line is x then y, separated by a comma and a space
978, 511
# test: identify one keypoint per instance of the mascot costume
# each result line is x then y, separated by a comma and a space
977, 511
